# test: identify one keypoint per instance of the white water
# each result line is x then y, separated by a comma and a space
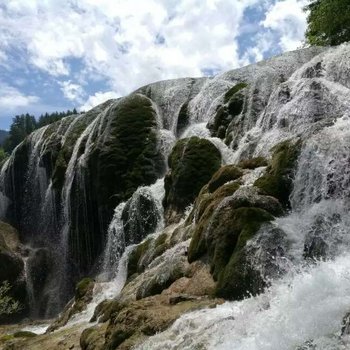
104, 290
201, 130
116, 243
4, 200
310, 301
308, 305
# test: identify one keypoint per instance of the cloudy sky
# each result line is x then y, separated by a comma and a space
56, 55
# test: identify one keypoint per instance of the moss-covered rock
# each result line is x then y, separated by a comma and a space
158, 282
93, 338
206, 204
253, 163
85, 286
146, 252
224, 174
83, 296
140, 217
225, 114
124, 154
104, 310
128, 155
183, 119
278, 179
221, 120
192, 161
24, 334
233, 91
11, 265
136, 256
146, 317
12, 270
224, 221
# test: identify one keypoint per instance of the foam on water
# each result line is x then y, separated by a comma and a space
308, 305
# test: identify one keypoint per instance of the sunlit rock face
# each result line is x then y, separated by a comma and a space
83, 186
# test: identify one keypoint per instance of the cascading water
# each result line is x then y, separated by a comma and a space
306, 301
287, 98
4, 200
139, 220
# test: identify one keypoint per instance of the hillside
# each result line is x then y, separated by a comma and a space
204, 212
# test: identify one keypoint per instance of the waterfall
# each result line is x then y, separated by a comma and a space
4, 200
131, 222
201, 130
105, 290
307, 299
115, 243
72, 169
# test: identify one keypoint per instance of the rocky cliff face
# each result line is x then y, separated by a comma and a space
243, 155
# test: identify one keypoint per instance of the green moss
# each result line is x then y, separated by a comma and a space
118, 337
221, 121
136, 256
24, 334
83, 287
183, 119
6, 337
277, 181
253, 163
228, 258
239, 279
233, 91
160, 245
233, 106
128, 155
224, 174
193, 162
206, 208
59, 171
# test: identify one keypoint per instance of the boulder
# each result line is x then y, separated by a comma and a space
192, 163
278, 179
83, 296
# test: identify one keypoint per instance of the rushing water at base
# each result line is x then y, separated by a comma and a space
308, 305
304, 306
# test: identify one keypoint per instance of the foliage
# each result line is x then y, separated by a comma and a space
3, 136
328, 22
24, 124
8, 305
3, 155
49, 118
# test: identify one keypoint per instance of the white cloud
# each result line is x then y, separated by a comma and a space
128, 43
98, 98
11, 98
288, 19
71, 91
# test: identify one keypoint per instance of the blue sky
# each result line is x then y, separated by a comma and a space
56, 55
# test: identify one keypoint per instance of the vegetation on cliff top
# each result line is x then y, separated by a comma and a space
328, 22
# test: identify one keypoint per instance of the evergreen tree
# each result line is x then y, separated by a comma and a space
24, 124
